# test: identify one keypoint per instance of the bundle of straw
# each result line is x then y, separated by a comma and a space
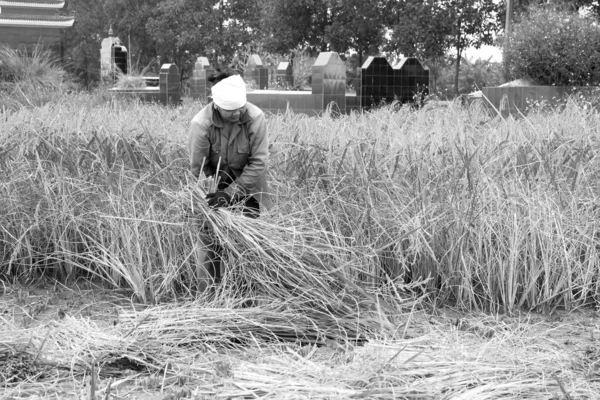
287, 268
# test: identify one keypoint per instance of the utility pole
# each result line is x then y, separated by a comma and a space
507, 31
509, 15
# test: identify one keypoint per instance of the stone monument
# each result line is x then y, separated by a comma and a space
113, 57
200, 89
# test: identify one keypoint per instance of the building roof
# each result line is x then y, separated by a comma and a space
57, 4
45, 21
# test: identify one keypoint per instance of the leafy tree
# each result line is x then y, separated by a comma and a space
292, 24
554, 47
174, 29
238, 25
356, 25
429, 29
521, 7
567, 5
128, 19
218, 29
82, 41
472, 25
420, 29
477, 73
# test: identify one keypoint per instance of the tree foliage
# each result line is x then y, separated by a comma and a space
472, 25
420, 29
226, 30
429, 29
356, 25
290, 24
184, 29
553, 47
478, 73
82, 41
128, 19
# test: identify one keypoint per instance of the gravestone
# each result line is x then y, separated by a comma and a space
329, 82
200, 89
113, 55
120, 58
380, 83
285, 74
376, 78
256, 72
169, 84
411, 80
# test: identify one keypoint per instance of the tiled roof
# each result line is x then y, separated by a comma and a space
50, 21
33, 3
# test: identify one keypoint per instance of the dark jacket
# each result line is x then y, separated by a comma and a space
243, 158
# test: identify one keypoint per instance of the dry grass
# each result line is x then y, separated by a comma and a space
498, 214
29, 77
191, 350
376, 216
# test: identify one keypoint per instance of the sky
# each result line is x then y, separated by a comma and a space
485, 52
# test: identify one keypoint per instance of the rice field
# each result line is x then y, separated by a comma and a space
434, 254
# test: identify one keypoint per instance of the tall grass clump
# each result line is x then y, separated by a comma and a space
98, 195
497, 214
133, 79
29, 77
368, 208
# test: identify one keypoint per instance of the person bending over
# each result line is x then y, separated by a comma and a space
228, 140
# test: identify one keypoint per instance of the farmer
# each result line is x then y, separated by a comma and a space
228, 139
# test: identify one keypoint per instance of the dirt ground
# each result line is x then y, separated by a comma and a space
572, 337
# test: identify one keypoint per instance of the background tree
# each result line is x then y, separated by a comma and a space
478, 72
420, 29
473, 24
218, 29
356, 25
291, 24
176, 29
238, 26
554, 47
82, 41
128, 19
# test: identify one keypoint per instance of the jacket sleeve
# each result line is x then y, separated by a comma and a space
249, 179
199, 148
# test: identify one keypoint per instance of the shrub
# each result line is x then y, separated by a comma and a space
554, 47
37, 68
29, 78
134, 79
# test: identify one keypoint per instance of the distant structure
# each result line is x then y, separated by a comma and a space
378, 83
256, 72
285, 74
113, 57
405, 82
200, 88
167, 92
29, 22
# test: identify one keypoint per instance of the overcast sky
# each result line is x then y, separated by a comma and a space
485, 52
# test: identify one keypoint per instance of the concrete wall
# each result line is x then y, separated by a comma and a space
517, 100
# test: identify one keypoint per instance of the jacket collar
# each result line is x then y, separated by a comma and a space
218, 121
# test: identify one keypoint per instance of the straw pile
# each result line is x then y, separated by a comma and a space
156, 351
306, 284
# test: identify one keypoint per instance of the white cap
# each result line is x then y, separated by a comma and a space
230, 93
